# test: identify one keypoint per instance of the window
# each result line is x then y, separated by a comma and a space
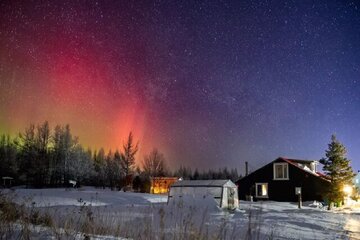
261, 190
281, 171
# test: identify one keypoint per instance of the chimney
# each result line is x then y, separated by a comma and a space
246, 169
313, 167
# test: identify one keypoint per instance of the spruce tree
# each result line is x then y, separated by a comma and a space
337, 168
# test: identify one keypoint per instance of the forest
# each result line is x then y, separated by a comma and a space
44, 157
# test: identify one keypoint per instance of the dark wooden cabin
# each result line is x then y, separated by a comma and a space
277, 181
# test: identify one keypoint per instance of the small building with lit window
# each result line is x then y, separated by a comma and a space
161, 185
279, 179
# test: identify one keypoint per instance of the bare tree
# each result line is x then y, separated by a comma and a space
154, 164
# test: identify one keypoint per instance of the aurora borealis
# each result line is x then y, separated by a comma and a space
209, 83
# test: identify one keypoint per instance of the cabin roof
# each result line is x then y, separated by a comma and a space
300, 161
296, 163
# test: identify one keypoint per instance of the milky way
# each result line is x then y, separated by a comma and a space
210, 84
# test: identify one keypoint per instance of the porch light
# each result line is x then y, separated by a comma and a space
347, 190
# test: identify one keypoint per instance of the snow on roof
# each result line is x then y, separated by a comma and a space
204, 183
301, 161
7, 178
164, 178
295, 162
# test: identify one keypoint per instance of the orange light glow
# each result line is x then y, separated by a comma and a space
347, 190
161, 185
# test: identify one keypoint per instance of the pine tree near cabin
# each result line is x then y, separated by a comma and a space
337, 168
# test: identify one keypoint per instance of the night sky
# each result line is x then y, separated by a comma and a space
210, 84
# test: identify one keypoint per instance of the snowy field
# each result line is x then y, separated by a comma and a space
146, 216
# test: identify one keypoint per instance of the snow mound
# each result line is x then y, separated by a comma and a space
316, 204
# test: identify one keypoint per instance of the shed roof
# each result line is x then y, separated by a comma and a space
164, 178
204, 183
7, 178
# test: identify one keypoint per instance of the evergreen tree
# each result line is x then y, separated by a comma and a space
234, 175
337, 168
27, 155
42, 144
56, 165
196, 175
100, 168
128, 155
80, 165
8, 157
118, 173
184, 172
110, 170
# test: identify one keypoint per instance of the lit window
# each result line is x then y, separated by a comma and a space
281, 171
261, 190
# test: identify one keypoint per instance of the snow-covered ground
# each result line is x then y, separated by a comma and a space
139, 213
286, 221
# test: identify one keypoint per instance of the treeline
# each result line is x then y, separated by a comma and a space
45, 157
222, 173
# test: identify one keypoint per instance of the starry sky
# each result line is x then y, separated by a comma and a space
209, 83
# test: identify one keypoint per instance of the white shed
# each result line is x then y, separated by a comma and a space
224, 192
